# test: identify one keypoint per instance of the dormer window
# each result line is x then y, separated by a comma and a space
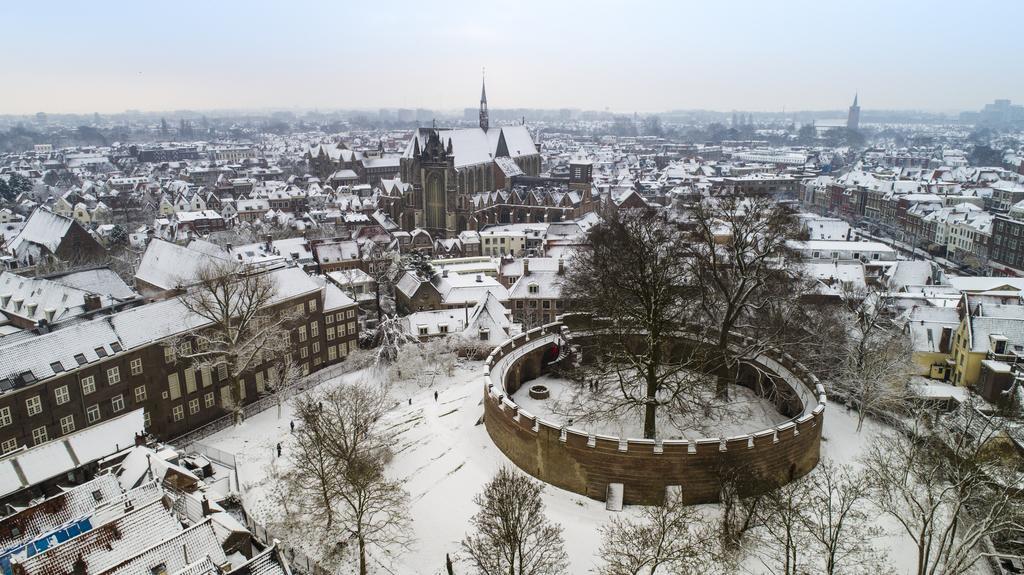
534, 288
998, 344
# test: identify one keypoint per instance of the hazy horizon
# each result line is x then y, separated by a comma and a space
643, 57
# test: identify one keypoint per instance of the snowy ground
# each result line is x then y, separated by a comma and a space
444, 457
743, 413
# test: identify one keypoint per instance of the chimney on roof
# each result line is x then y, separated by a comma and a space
444, 272
561, 266
526, 266
229, 246
207, 510
479, 278
92, 302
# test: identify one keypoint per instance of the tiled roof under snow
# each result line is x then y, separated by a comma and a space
87, 342
48, 460
108, 545
175, 553
59, 510
44, 228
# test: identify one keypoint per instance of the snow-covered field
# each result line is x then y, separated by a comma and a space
444, 458
743, 413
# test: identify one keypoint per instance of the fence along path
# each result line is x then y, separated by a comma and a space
265, 402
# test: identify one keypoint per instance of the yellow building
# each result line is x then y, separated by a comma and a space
932, 330
988, 330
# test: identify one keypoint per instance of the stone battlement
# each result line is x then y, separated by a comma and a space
586, 463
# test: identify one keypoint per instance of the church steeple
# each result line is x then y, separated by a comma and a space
484, 119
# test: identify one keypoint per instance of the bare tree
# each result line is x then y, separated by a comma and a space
781, 534
241, 331
313, 481
740, 496
738, 258
874, 365
949, 486
344, 456
664, 539
838, 521
633, 273
510, 533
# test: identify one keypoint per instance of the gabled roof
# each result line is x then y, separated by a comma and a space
105, 546
30, 298
44, 228
37, 464
44, 517
168, 266
175, 553
473, 146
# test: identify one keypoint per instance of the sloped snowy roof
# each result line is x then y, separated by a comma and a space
103, 281
29, 298
54, 512
175, 553
59, 456
473, 146
107, 545
167, 266
65, 349
44, 228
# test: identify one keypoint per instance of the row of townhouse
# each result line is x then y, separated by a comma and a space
77, 375
944, 218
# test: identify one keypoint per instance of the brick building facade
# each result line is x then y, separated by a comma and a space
72, 377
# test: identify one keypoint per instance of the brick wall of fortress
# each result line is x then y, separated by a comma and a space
586, 463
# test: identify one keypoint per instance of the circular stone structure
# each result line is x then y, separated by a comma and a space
589, 463
539, 392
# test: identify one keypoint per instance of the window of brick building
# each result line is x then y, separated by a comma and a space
39, 435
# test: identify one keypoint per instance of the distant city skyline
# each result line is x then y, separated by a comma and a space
643, 57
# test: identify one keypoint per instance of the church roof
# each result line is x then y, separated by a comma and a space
473, 146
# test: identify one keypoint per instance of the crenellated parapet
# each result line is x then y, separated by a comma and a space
584, 462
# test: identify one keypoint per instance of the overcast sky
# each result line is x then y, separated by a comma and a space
107, 56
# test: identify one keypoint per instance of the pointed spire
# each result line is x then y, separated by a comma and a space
483, 87
855, 99
484, 117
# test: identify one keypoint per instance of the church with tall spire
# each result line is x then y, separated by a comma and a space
853, 116
442, 168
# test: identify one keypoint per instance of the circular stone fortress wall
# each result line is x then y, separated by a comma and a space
587, 463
